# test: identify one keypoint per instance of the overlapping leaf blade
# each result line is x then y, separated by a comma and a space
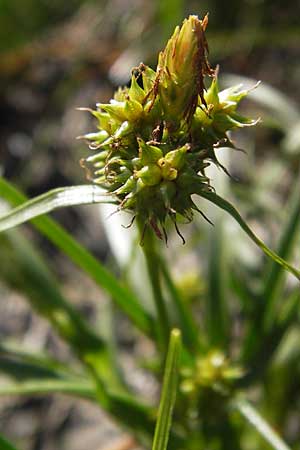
84, 259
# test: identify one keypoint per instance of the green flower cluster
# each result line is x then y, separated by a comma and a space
213, 371
156, 138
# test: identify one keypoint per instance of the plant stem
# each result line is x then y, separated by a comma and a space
168, 394
185, 318
154, 271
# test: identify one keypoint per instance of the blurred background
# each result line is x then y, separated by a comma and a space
57, 56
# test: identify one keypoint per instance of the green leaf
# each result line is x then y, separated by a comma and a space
32, 374
185, 318
153, 263
265, 332
274, 284
49, 386
168, 395
5, 445
54, 199
25, 270
42, 360
217, 316
240, 285
83, 258
224, 204
259, 423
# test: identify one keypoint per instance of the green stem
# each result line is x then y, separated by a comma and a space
168, 394
154, 271
185, 318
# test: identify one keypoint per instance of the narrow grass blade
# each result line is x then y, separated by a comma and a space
185, 318
42, 360
25, 270
168, 395
240, 286
224, 204
273, 288
125, 299
217, 316
5, 445
20, 370
32, 381
49, 386
54, 199
261, 354
259, 423
152, 259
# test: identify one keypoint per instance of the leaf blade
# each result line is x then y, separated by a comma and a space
52, 200
227, 206
86, 261
259, 423
169, 390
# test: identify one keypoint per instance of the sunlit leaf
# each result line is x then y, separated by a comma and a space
125, 299
260, 425
54, 199
49, 386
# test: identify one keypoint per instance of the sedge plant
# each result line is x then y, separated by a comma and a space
149, 154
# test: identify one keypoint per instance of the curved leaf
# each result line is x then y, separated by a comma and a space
54, 199
124, 298
224, 204
48, 386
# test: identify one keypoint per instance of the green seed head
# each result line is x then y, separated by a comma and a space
213, 371
156, 138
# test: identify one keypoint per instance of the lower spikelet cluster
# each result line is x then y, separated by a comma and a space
156, 138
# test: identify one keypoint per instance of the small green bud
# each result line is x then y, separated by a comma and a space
168, 172
212, 94
104, 121
150, 174
136, 92
215, 369
149, 77
177, 157
148, 153
115, 109
98, 138
133, 110
127, 187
